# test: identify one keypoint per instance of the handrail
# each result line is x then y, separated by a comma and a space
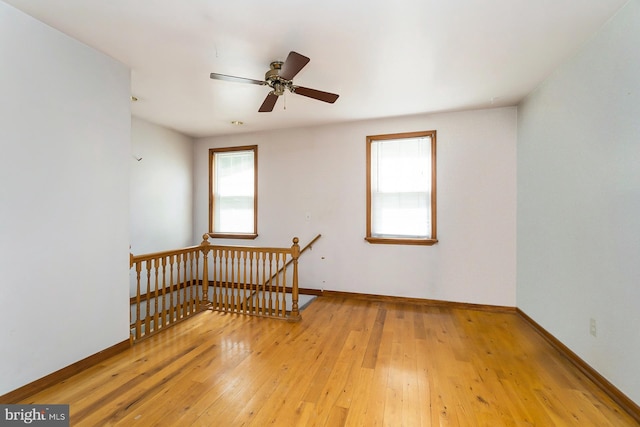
307, 246
145, 257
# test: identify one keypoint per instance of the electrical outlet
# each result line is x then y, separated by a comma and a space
592, 327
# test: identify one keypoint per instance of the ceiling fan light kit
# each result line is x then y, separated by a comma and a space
280, 77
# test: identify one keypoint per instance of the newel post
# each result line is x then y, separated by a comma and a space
138, 290
131, 338
205, 247
295, 254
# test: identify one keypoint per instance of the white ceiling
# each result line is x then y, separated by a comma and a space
385, 58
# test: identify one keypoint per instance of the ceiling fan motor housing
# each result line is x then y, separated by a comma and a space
273, 79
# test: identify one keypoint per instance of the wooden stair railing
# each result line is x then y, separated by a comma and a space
171, 286
303, 250
165, 289
283, 268
242, 280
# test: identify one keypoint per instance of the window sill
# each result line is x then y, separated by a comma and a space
400, 241
248, 236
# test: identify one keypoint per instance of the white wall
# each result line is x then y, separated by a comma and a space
321, 171
161, 188
64, 200
579, 202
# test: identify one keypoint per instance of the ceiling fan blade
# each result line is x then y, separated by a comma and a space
225, 77
269, 103
315, 94
292, 65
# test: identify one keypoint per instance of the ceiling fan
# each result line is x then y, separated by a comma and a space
280, 77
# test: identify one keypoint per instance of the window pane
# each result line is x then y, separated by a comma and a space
402, 165
400, 214
234, 215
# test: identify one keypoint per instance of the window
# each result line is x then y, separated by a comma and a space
233, 192
401, 188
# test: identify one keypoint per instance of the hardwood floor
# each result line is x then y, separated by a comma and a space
348, 362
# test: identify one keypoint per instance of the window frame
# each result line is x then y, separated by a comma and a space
228, 235
398, 240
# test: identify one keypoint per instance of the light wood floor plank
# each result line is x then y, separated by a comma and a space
349, 362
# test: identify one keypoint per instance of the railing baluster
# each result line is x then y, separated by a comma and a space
234, 260
283, 310
239, 280
156, 317
138, 322
284, 284
225, 301
244, 282
276, 298
196, 261
187, 282
295, 254
238, 287
171, 282
147, 325
163, 312
229, 281
270, 283
263, 304
177, 288
219, 280
252, 284
229, 300
214, 285
183, 285
192, 298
